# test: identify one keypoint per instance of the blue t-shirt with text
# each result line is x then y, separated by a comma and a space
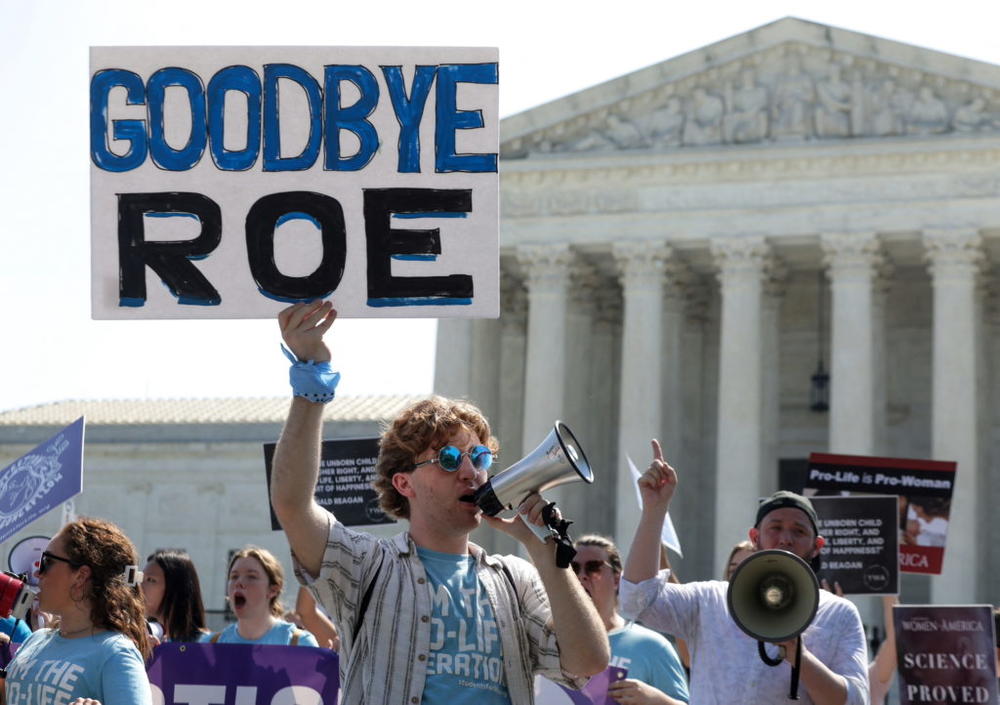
650, 658
465, 665
51, 670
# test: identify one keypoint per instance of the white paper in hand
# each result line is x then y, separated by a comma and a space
669, 535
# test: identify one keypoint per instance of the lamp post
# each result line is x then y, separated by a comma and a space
819, 390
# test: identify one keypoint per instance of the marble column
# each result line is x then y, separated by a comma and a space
605, 389
773, 295
853, 260
955, 257
453, 359
673, 411
880, 297
546, 272
742, 264
640, 268
513, 321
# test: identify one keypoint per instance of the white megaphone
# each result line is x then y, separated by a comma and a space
773, 597
557, 460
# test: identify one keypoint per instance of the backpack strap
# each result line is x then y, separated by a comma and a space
214, 639
363, 607
294, 641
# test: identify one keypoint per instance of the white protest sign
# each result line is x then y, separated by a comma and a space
227, 182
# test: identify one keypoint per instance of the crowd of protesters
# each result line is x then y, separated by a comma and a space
427, 616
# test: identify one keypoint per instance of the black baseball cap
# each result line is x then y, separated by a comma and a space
784, 498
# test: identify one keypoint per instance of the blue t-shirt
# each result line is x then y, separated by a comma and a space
649, 658
50, 669
16, 629
280, 634
465, 665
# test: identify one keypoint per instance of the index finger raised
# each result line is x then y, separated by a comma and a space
657, 451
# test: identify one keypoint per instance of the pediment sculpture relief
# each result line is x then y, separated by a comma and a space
803, 94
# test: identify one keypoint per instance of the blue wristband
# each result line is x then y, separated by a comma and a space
314, 381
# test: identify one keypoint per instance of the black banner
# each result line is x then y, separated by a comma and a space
344, 486
862, 543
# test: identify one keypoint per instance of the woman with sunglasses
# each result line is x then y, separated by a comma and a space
171, 592
655, 674
86, 578
255, 584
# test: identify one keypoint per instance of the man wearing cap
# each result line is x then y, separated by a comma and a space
725, 666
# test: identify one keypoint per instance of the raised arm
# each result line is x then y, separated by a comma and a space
295, 468
657, 486
583, 641
885, 660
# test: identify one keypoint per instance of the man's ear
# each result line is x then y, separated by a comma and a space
820, 542
401, 483
754, 536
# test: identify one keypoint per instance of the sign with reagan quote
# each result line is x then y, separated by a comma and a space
344, 485
861, 553
227, 182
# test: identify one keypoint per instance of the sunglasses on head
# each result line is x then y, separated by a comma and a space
589, 567
450, 458
47, 559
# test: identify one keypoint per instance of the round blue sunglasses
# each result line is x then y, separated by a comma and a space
450, 458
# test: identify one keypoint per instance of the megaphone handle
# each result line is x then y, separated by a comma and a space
769, 660
793, 689
543, 533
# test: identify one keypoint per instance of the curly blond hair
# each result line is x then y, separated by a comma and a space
427, 424
114, 604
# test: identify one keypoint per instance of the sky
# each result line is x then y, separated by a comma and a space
51, 350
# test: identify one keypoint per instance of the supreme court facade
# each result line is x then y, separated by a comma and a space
680, 245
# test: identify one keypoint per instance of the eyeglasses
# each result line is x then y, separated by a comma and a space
450, 458
47, 558
589, 567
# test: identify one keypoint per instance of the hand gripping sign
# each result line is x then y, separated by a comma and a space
245, 178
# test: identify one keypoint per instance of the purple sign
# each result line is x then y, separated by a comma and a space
946, 654
243, 674
594, 693
41, 480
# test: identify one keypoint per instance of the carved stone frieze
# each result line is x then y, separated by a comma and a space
534, 193
786, 93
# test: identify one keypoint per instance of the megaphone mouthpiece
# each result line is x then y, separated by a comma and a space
557, 460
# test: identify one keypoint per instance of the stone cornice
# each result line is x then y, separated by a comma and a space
611, 186
735, 165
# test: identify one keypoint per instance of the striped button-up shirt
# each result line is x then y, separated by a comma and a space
387, 663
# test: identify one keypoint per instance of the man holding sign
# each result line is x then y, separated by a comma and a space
725, 667
426, 615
